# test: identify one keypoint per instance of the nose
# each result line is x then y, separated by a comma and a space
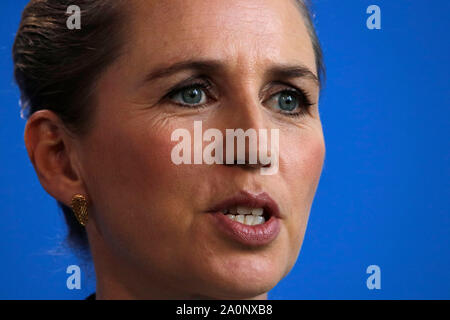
247, 130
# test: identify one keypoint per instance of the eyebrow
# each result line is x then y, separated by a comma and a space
214, 66
287, 71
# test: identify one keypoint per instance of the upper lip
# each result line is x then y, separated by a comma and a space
247, 199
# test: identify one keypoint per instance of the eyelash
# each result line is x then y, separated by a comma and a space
206, 86
303, 98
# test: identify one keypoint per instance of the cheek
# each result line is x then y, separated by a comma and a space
134, 163
133, 159
301, 160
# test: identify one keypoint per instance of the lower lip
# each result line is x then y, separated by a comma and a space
257, 235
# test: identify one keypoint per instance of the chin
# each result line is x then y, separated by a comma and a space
250, 288
243, 278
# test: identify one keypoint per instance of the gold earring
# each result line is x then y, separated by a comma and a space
79, 208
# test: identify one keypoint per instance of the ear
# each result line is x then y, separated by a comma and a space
52, 151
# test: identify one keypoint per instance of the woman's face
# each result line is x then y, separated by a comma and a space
150, 225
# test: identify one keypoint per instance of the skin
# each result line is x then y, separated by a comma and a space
149, 234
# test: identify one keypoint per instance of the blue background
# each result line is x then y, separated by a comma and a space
384, 194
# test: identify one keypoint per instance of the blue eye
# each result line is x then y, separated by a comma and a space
288, 101
190, 96
292, 102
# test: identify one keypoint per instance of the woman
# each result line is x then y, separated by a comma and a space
103, 103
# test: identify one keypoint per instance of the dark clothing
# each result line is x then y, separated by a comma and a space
91, 297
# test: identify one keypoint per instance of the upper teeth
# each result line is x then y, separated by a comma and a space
245, 215
244, 211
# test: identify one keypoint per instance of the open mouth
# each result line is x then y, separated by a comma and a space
249, 209
251, 219
247, 215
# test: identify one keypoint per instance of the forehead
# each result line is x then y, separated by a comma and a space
241, 33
